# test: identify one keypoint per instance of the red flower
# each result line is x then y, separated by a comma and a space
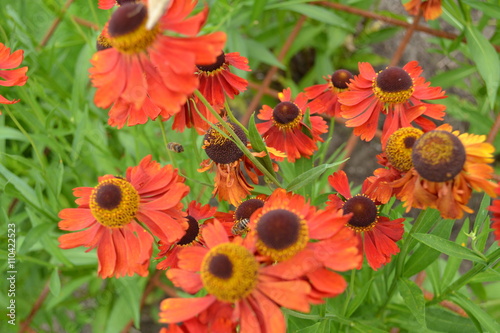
495, 212
380, 234
431, 8
8, 76
195, 214
216, 82
305, 241
232, 274
396, 92
283, 127
107, 217
325, 96
147, 73
107, 4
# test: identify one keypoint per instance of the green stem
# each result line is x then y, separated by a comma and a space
464, 279
233, 118
233, 137
21, 128
400, 261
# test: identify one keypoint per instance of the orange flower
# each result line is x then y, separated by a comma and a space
284, 126
8, 76
231, 273
380, 234
396, 92
226, 158
325, 96
447, 166
431, 8
107, 217
195, 214
147, 73
495, 212
396, 159
216, 81
305, 241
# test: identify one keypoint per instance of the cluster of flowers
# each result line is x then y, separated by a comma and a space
270, 251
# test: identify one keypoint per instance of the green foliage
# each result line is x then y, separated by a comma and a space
55, 139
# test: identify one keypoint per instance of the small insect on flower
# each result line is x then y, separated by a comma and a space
240, 226
174, 146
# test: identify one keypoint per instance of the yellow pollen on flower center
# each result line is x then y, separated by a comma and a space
399, 147
127, 29
114, 202
229, 272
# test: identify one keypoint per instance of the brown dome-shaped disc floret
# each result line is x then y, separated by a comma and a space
393, 85
364, 210
399, 147
221, 149
341, 78
438, 156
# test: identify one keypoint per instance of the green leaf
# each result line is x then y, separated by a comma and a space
310, 176
489, 9
486, 59
257, 9
444, 321
20, 185
359, 298
130, 288
453, 263
414, 299
425, 255
259, 52
34, 235
317, 13
55, 283
474, 310
448, 247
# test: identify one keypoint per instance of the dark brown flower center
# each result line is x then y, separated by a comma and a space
127, 18
191, 232
246, 208
286, 112
394, 79
219, 62
364, 211
108, 196
409, 141
221, 149
122, 2
220, 266
438, 156
278, 229
341, 78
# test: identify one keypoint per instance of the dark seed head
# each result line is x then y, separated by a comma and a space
394, 79
278, 229
108, 196
246, 208
220, 266
341, 78
438, 156
364, 211
222, 150
127, 18
285, 112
